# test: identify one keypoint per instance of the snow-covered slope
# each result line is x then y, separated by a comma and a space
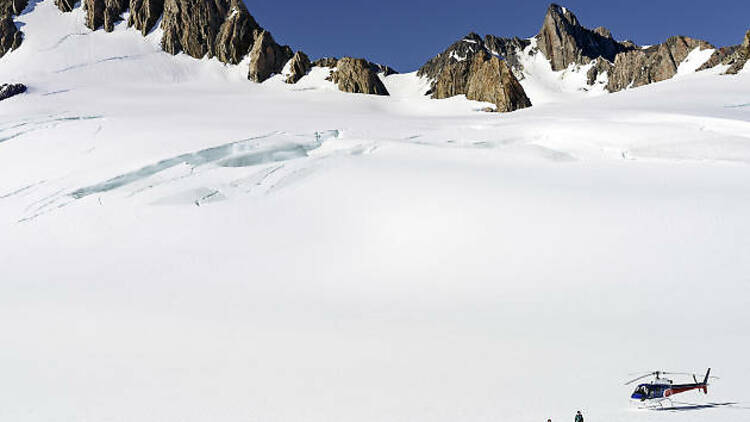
178, 243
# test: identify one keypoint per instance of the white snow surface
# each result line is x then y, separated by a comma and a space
180, 244
694, 60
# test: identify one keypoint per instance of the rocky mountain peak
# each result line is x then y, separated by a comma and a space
461, 50
358, 76
473, 66
564, 41
604, 32
561, 14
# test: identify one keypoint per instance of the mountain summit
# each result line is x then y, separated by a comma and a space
564, 41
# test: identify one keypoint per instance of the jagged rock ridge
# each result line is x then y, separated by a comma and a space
200, 28
739, 58
657, 63
564, 41
469, 67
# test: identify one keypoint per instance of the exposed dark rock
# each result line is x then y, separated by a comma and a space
600, 67
326, 62
104, 13
267, 57
144, 14
191, 26
718, 57
10, 36
9, 90
509, 49
657, 63
299, 66
564, 41
472, 68
739, 58
236, 34
12, 7
65, 5
491, 80
458, 52
358, 76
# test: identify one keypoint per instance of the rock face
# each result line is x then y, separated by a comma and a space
510, 49
65, 5
491, 80
718, 57
469, 67
10, 36
358, 76
191, 26
657, 63
564, 41
9, 90
267, 57
299, 66
12, 7
236, 34
200, 28
739, 58
601, 66
326, 62
144, 14
104, 13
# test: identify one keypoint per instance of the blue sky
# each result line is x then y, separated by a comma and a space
404, 34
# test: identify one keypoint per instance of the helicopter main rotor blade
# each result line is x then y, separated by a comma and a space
640, 378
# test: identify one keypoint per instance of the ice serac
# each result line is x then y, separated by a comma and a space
267, 57
299, 66
144, 14
654, 64
104, 13
739, 58
564, 41
469, 67
359, 76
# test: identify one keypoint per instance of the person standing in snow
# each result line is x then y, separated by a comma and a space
579, 417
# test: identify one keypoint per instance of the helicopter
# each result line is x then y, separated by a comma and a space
662, 388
